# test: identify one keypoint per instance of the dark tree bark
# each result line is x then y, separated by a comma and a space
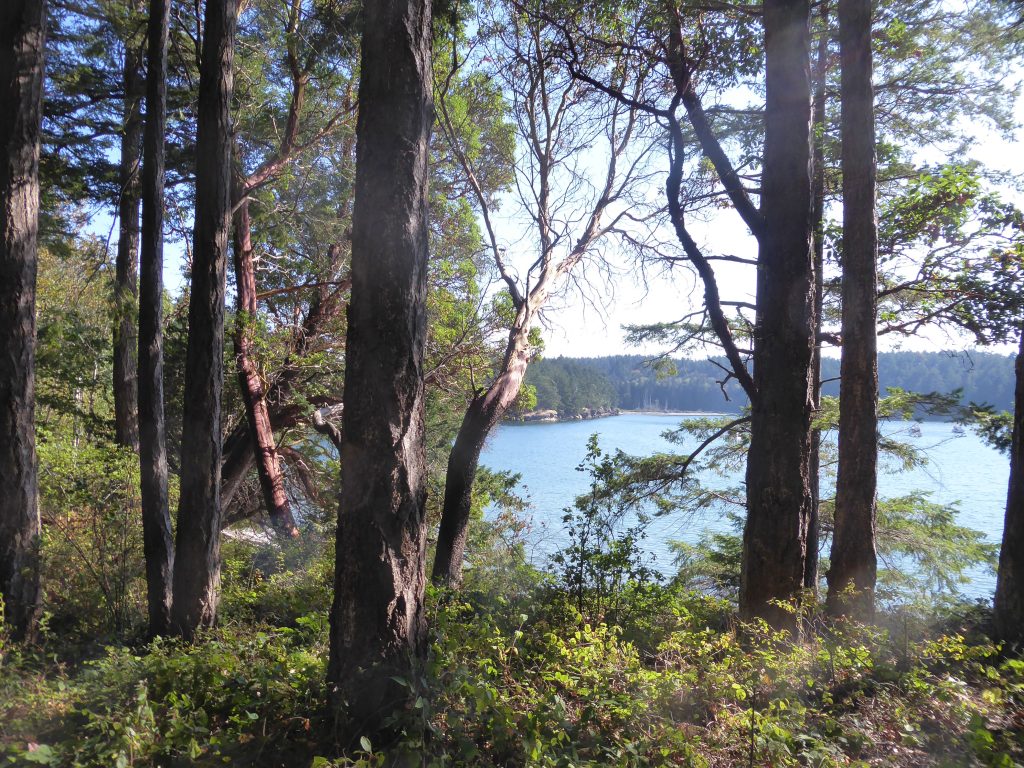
378, 626
22, 36
1009, 602
853, 568
239, 456
485, 410
778, 466
257, 415
818, 218
197, 566
126, 423
158, 544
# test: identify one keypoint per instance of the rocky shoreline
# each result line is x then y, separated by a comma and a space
552, 416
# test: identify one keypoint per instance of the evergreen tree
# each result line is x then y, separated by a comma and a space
378, 624
778, 461
197, 546
156, 518
853, 563
22, 35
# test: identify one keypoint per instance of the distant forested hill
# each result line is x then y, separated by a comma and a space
568, 384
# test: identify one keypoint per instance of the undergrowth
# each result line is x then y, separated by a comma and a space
523, 680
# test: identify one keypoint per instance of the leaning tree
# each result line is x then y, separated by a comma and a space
580, 166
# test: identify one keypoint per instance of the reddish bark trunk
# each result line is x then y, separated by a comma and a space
238, 446
22, 35
485, 410
158, 545
260, 429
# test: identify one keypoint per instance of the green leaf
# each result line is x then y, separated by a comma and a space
42, 754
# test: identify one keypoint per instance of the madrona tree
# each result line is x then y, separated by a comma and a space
570, 210
276, 139
293, 139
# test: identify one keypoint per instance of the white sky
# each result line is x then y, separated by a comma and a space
576, 330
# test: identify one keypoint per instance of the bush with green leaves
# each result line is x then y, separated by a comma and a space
603, 569
93, 573
220, 700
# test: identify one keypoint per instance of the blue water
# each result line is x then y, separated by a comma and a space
960, 469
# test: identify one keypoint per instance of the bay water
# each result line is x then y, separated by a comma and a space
960, 469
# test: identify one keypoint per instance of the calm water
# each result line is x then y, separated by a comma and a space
960, 469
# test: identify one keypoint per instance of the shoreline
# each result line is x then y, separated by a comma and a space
678, 413
552, 417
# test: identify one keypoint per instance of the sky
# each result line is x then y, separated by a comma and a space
591, 322
574, 328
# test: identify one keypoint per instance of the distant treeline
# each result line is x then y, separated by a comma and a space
569, 384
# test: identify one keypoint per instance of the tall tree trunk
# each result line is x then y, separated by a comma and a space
378, 627
197, 567
853, 568
485, 410
22, 36
157, 543
818, 219
260, 429
126, 423
778, 467
1009, 603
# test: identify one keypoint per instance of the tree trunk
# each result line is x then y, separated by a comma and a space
853, 568
239, 457
126, 423
378, 626
158, 545
22, 35
818, 219
238, 446
778, 466
486, 410
260, 429
197, 567
1009, 603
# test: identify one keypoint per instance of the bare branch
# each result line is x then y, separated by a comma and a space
681, 69
712, 298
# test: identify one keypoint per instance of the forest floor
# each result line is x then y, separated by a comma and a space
516, 677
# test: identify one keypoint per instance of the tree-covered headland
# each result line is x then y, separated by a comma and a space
638, 383
273, 271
